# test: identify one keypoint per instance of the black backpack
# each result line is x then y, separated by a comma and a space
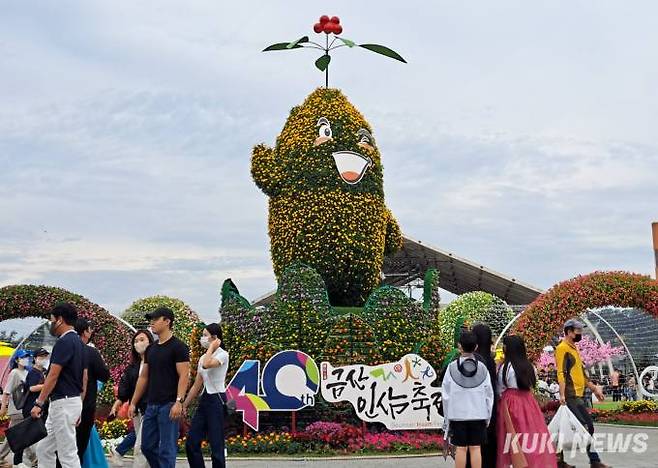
19, 395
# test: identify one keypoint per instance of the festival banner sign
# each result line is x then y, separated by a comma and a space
398, 394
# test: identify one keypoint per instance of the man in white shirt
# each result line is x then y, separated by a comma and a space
554, 390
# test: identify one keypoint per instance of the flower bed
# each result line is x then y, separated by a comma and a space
114, 429
636, 413
640, 406
273, 443
318, 438
328, 438
402, 442
639, 419
324, 436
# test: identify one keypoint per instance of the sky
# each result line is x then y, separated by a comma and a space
520, 135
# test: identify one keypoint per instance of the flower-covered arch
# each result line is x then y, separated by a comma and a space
543, 319
112, 336
187, 325
470, 308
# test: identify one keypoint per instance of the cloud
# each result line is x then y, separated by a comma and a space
517, 136
541, 210
113, 273
121, 190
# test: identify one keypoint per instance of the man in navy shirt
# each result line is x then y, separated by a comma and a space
35, 379
34, 382
63, 387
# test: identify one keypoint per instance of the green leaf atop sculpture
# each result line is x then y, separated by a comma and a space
329, 26
282, 46
383, 50
323, 62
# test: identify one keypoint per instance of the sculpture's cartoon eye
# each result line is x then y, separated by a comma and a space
365, 139
324, 131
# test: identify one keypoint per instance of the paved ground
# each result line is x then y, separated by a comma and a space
630, 459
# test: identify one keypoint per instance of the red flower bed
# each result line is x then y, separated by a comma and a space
329, 436
609, 416
405, 441
617, 417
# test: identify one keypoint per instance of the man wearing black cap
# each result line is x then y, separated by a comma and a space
35, 378
63, 386
165, 373
95, 371
573, 379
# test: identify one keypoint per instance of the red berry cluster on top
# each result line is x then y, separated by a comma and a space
328, 25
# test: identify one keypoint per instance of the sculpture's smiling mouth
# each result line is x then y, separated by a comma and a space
351, 166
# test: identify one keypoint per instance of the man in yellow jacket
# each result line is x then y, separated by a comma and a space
573, 378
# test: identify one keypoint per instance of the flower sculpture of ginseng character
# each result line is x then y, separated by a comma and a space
324, 180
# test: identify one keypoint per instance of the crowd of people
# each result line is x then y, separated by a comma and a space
486, 404
618, 385
623, 386
62, 387
490, 411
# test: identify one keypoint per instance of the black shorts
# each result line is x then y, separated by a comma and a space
467, 433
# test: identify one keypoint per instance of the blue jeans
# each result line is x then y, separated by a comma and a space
208, 422
127, 443
159, 436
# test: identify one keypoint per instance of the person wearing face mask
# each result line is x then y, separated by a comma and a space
165, 376
16, 378
95, 371
208, 421
35, 379
63, 389
573, 379
142, 339
34, 382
